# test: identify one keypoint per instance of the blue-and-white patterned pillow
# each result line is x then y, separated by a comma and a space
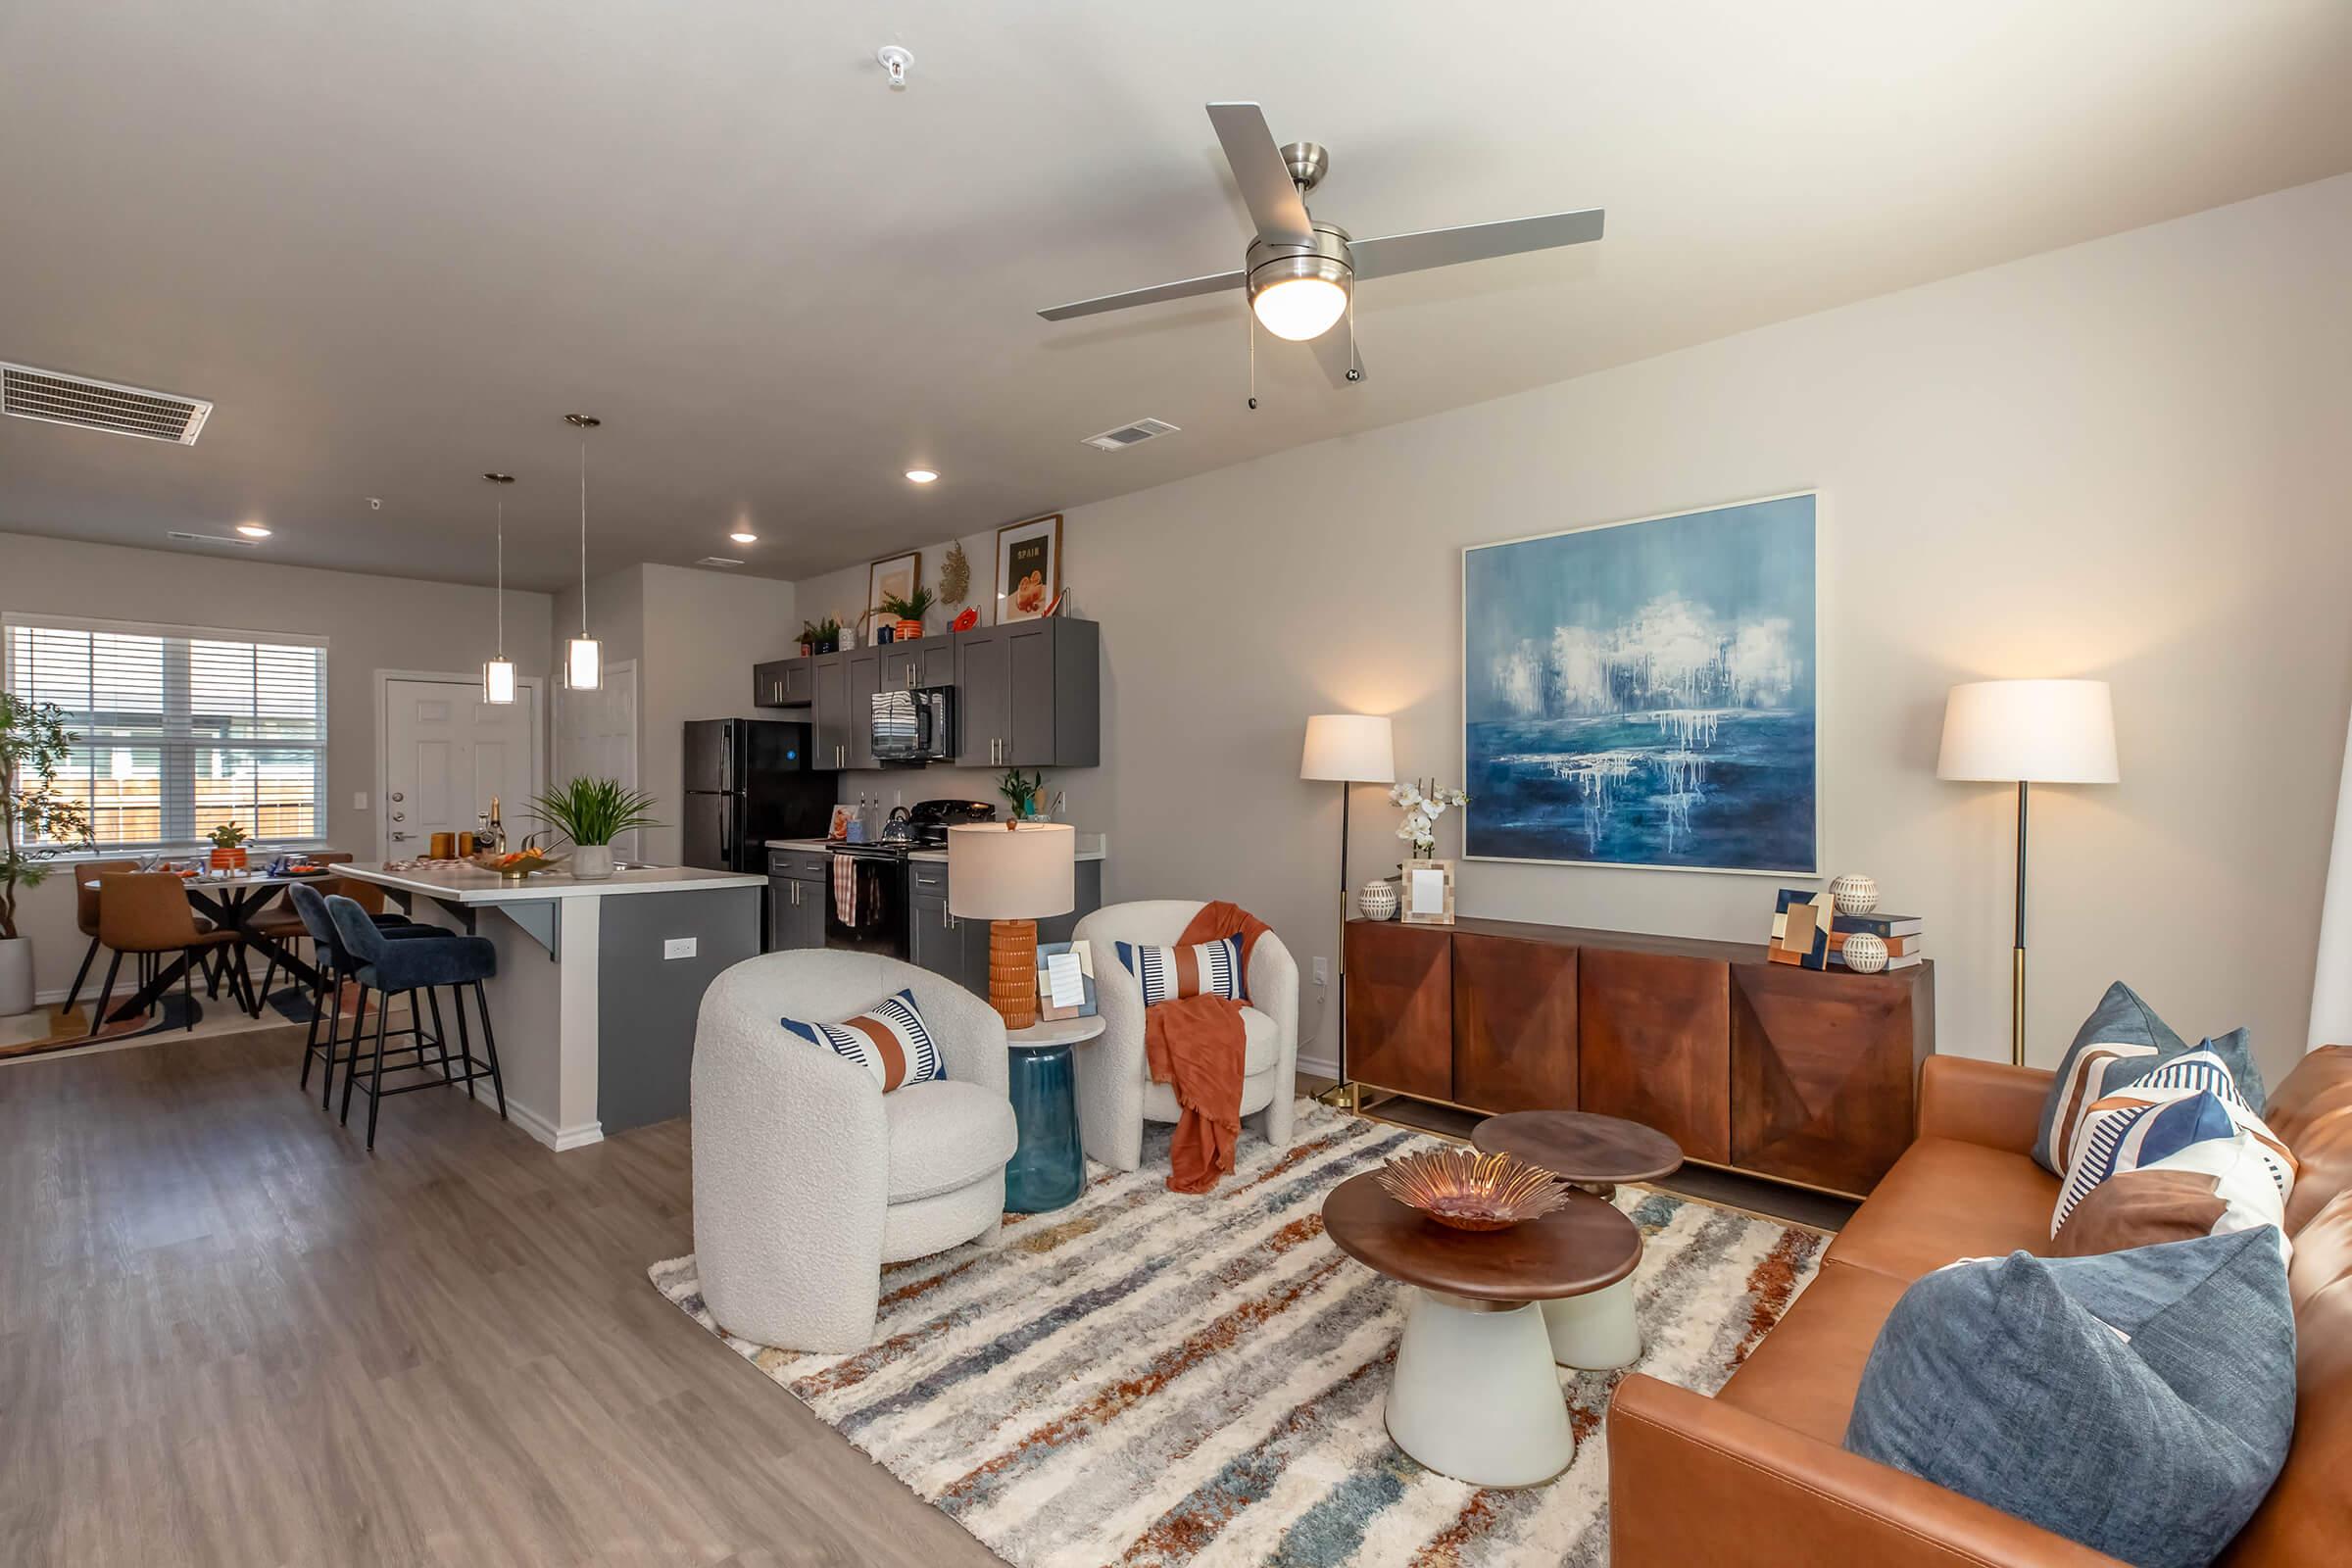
1212, 968
888, 1040
2186, 1115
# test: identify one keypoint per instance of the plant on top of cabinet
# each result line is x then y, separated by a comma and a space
824, 637
909, 608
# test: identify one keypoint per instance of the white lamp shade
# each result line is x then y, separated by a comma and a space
583, 663
1011, 871
1356, 748
498, 681
2039, 731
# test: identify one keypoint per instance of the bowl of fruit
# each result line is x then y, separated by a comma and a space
513, 865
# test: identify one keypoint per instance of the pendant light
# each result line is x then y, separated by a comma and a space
498, 674
583, 655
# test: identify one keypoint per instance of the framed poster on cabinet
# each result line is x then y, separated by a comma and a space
1028, 568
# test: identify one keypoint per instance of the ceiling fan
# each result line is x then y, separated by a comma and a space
1299, 271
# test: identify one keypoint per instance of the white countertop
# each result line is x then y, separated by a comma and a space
467, 884
1091, 847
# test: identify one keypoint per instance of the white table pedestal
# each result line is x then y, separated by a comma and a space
1474, 1394
1595, 1332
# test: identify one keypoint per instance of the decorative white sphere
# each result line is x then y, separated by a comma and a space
1854, 895
1864, 953
1377, 900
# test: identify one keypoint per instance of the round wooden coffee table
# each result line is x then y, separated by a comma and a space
1474, 1394
1597, 1329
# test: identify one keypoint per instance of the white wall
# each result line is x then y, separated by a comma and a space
371, 623
2127, 460
704, 631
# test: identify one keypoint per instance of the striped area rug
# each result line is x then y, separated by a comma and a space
1152, 1379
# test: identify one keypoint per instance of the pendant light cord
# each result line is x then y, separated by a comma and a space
502, 580
583, 536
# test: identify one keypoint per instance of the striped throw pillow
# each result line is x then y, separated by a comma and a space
1214, 969
888, 1040
2186, 1118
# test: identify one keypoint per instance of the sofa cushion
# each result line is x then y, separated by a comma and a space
2308, 1516
2183, 1130
2312, 1113
1804, 1373
1211, 968
2119, 1043
1946, 1199
945, 1134
889, 1040
2139, 1402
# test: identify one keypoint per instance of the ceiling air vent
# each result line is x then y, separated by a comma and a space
213, 539
58, 399
719, 561
1127, 435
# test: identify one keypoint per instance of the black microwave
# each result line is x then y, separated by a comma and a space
915, 726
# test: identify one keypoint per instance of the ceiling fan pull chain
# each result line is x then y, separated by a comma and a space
1249, 325
1354, 373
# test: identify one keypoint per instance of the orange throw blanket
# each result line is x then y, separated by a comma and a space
1197, 1043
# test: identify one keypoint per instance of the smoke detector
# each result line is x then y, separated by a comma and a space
1127, 435
55, 398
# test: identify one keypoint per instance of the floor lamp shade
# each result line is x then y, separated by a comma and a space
1354, 748
2039, 731
1009, 875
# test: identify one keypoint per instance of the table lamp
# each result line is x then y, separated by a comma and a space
2027, 732
1008, 874
1351, 748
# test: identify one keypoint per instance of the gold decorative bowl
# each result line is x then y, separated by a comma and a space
1470, 1191
515, 864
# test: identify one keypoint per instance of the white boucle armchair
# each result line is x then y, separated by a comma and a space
806, 1177
1116, 1092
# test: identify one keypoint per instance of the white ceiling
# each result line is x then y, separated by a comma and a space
396, 243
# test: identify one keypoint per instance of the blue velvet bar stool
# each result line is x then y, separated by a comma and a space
336, 965
412, 964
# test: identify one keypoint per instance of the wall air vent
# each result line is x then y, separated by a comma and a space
1127, 435
56, 398
214, 539
719, 561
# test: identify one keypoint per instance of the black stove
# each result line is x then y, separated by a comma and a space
931, 820
870, 913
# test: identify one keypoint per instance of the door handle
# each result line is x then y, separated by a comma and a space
400, 835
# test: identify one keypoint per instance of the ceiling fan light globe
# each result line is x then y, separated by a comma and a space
1299, 307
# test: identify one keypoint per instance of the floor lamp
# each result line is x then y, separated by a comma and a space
2027, 732
1351, 748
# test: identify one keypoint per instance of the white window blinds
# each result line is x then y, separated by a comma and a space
179, 728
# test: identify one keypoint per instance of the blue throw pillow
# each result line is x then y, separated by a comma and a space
2139, 1402
2122, 1041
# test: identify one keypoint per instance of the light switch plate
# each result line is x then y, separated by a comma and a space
358, 800
1322, 972
679, 947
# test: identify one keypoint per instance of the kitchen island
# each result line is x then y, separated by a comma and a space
597, 983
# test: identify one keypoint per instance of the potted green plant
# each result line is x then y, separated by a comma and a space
828, 635
1023, 790
909, 609
36, 822
228, 847
592, 813
807, 638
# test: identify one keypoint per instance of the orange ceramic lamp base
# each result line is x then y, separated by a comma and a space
1012, 971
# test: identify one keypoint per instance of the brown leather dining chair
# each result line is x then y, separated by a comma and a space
280, 924
146, 912
86, 916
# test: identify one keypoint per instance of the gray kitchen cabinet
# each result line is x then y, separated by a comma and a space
983, 695
797, 884
958, 948
1031, 694
923, 662
829, 710
783, 683
861, 680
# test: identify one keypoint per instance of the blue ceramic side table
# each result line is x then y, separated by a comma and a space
1047, 1170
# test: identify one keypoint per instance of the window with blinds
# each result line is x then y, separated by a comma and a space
179, 728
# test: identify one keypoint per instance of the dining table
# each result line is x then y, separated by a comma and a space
232, 900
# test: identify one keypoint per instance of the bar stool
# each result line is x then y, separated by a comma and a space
287, 924
412, 964
334, 966
147, 914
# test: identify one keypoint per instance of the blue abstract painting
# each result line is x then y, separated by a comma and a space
1643, 694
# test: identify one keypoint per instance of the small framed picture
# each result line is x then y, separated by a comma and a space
1028, 568
894, 578
1425, 893
839, 828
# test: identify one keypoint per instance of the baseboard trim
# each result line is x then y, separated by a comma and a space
559, 1139
1319, 1067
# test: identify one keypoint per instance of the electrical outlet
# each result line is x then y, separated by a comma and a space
679, 947
1322, 972
358, 800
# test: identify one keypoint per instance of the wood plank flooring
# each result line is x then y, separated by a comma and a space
228, 1335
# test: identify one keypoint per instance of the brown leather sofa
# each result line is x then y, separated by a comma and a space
1757, 1475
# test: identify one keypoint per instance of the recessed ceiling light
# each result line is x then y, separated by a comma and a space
744, 536
252, 530
921, 475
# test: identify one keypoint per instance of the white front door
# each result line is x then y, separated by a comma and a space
596, 737
447, 754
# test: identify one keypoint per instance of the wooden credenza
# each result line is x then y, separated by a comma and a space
1803, 1075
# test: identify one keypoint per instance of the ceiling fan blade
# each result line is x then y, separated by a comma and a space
1183, 290
1336, 351
1264, 178
1473, 242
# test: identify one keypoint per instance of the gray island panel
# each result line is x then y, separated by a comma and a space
647, 1004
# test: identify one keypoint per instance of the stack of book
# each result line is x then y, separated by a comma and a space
1900, 932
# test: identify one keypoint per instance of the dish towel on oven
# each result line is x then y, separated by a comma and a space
845, 890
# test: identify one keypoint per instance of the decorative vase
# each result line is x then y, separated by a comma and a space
908, 630
16, 976
1854, 895
592, 863
1377, 901
228, 859
1864, 953
808, 650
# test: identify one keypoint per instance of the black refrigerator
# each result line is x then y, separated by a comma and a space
747, 780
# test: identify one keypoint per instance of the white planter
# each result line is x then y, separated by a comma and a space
16, 976
592, 863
